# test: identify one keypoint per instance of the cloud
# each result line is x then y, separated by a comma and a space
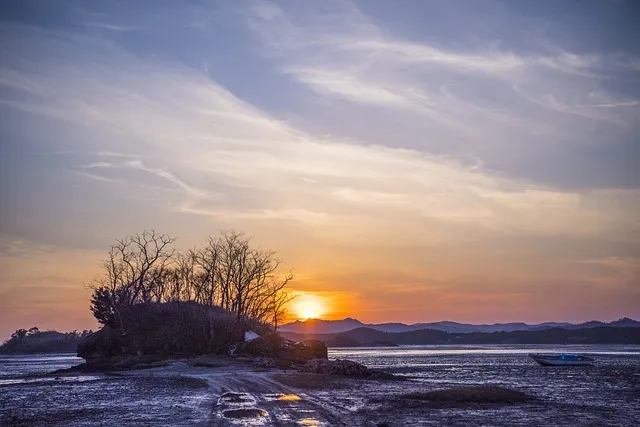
617, 104
357, 152
97, 165
508, 107
190, 190
112, 27
256, 166
348, 86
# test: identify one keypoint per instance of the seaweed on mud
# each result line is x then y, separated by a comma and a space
245, 413
309, 381
472, 394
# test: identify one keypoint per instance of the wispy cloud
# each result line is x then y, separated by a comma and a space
196, 127
493, 97
97, 165
617, 104
114, 154
113, 27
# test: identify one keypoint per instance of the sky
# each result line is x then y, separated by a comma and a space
412, 161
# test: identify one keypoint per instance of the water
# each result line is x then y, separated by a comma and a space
16, 369
607, 393
30, 397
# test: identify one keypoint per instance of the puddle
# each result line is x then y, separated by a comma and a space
309, 422
231, 397
245, 413
289, 397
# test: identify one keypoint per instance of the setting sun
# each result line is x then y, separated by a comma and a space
308, 306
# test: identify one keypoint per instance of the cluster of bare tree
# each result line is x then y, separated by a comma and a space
227, 272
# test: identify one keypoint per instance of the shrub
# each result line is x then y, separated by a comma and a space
183, 329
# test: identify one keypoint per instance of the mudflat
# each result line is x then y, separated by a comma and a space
479, 386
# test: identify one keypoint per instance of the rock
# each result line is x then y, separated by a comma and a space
301, 352
100, 345
290, 352
340, 367
316, 349
177, 331
259, 347
250, 336
170, 330
87, 347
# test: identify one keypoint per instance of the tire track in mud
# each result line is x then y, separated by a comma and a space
258, 400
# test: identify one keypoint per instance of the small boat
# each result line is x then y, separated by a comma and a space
561, 359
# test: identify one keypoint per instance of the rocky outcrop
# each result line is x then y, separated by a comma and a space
164, 330
283, 351
180, 330
301, 352
100, 345
346, 368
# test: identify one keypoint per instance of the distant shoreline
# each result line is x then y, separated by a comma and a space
56, 342
42, 342
366, 337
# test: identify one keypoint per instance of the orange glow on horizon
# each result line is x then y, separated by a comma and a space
307, 305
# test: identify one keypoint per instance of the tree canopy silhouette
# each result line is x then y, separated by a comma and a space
227, 272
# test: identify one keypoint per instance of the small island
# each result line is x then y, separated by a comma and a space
33, 340
156, 303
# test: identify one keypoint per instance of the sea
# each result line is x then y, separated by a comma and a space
607, 393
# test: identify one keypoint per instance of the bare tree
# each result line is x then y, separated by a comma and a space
123, 282
278, 302
208, 260
227, 272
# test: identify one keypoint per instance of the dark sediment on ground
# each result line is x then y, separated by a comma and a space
464, 396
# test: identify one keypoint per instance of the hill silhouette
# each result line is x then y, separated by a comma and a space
42, 342
372, 337
318, 326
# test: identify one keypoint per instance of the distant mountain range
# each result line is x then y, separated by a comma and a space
370, 337
317, 326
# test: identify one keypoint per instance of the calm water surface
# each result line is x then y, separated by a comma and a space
29, 368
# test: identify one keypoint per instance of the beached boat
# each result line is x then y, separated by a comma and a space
561, 359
